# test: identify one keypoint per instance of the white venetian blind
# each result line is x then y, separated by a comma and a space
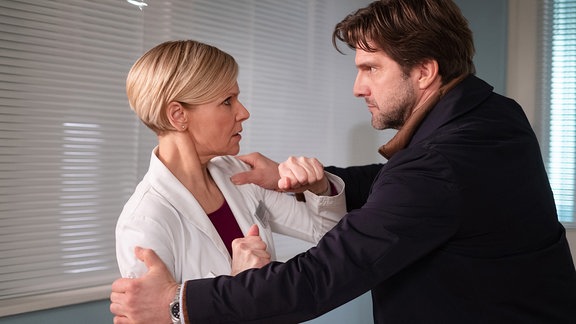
282, 47
67, 141
559, 102
71, 150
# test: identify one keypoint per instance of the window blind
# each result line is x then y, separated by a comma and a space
71, 150
281, 48
67, 141
559, 102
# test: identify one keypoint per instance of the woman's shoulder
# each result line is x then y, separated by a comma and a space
146, 204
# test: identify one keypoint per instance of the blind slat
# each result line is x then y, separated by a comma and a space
558, 57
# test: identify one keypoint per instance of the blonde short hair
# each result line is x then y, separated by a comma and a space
184, 71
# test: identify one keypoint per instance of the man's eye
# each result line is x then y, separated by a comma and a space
372, 69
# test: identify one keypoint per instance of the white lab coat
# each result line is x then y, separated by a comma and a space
164, 216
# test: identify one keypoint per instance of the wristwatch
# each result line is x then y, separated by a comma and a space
175, 307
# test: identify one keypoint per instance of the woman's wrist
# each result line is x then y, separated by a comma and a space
327, 189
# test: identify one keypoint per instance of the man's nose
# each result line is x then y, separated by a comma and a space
360, 89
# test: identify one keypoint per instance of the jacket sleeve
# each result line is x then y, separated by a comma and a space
358, 181
410, 212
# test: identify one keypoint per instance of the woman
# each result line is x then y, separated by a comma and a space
185, 208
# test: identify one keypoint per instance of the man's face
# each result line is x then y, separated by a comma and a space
388, 91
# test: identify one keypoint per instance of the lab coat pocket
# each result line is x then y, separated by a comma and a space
263, 215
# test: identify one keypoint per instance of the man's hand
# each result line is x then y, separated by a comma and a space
146, 299
249, 252
298, 174
264, 171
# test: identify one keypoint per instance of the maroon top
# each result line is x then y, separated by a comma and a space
226, 225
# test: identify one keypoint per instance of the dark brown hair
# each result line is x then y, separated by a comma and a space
411, 31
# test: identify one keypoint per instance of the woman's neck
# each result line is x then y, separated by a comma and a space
178, 153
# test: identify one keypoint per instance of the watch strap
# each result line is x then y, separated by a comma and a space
175, 307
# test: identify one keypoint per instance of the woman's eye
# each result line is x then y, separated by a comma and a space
227, 101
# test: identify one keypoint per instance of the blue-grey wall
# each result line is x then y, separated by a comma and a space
88, 313
488, 20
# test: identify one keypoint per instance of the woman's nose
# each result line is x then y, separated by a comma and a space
243, 113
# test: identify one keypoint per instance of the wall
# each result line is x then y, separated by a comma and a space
86, 313
489, 24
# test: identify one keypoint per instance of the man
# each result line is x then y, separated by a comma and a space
459, 226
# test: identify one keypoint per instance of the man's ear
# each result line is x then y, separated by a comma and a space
428, 73
177, 115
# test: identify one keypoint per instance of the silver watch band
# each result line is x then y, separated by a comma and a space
175, 307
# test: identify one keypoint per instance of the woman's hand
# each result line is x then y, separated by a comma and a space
249, 252
298, 174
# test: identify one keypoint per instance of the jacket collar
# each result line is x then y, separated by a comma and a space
451, 101
465, 97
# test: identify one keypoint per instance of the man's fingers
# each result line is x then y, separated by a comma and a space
247, 158
242, 178
263, 171
253, 231
120, 285
248, 176
117, 307
121, 320
150, 259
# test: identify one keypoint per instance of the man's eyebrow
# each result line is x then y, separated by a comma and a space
367, 64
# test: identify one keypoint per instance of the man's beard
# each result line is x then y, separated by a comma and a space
398, 110
392, 120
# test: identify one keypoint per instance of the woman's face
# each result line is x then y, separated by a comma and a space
215, 127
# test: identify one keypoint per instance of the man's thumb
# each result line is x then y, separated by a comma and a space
241, 178
149, 257
253, 231
247, 158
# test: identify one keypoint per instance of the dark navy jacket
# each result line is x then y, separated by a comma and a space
458, 227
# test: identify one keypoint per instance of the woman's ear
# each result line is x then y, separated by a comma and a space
177, 115
428, 73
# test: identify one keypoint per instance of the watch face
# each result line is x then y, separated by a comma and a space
176, 310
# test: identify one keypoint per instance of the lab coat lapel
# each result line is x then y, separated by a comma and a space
184, 202
240, 201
